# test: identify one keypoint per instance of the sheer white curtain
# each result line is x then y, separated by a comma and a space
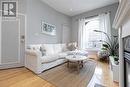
104, 25
86, 35
81, 39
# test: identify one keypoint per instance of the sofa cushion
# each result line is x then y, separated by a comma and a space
57, 48
50, 58
49, 48
62, 55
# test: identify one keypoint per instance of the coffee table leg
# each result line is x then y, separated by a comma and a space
78, 66
82, 64
68, 64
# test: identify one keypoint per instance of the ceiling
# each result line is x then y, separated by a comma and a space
75, 7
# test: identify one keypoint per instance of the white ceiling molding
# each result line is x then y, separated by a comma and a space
123, 9
75, 7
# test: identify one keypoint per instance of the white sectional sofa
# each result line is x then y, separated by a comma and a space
41, 57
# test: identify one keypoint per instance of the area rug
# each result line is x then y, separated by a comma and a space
62, 76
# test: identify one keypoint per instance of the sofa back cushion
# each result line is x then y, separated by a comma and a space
52, 48
57, 48
49, 48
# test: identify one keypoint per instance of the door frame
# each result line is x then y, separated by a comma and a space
65, 25
18, 63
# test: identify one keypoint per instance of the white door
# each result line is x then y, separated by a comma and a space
66, 34
11, 47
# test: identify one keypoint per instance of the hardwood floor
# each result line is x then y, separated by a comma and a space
102, 74
21, 77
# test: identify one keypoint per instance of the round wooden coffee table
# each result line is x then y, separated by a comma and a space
78, 59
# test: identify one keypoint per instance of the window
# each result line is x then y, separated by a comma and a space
92, 38
87, 37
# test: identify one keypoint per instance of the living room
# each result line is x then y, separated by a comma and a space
64, 43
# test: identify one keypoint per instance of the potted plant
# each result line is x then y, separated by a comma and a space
112, 45
116, 59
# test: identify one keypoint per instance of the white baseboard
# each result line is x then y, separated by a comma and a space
11, 65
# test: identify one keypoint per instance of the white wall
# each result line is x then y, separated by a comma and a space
38, 11
111, 8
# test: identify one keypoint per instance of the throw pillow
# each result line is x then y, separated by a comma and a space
64, 47
71, 47
43, 51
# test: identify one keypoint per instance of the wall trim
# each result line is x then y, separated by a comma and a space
11, 65
123, 9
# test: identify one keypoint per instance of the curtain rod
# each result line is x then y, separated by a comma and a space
91, 16
94, 15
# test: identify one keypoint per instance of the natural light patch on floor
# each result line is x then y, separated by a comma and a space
98, 71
